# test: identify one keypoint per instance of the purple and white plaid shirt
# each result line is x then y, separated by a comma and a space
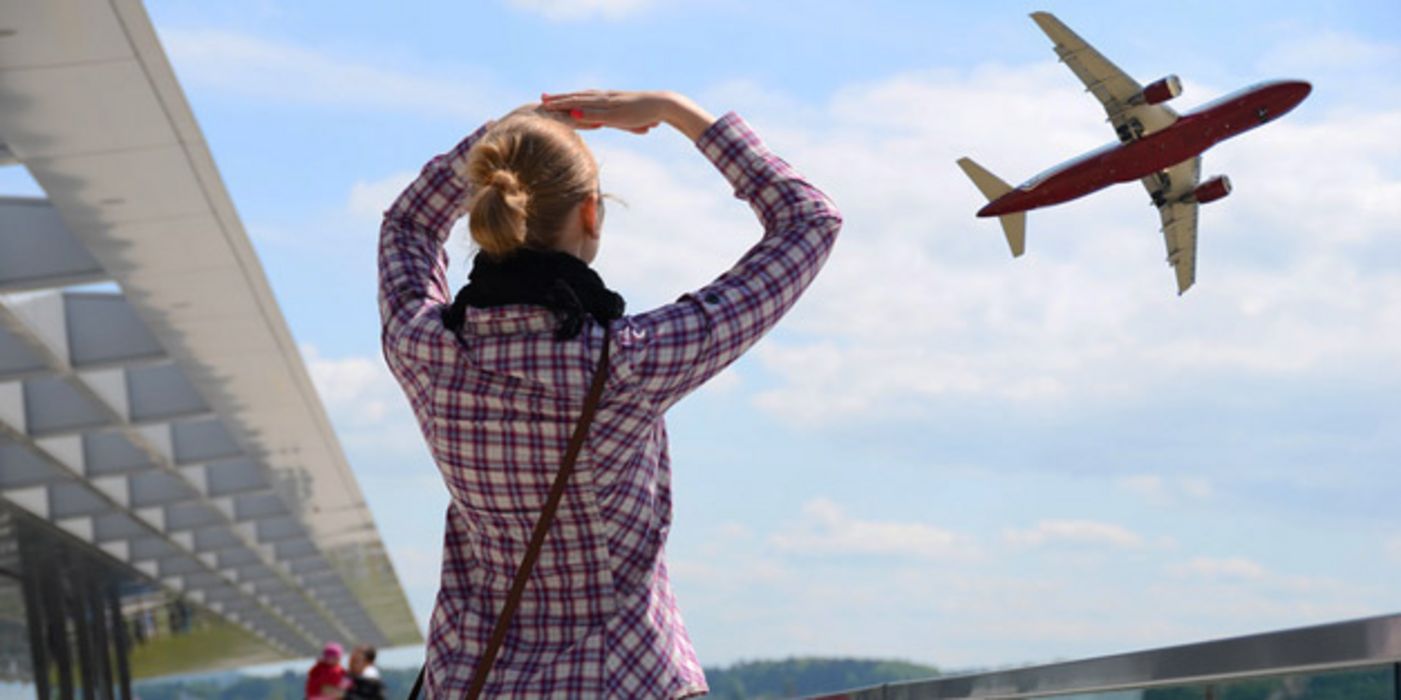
497, 404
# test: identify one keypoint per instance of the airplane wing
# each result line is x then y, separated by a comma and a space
1112, 86
1168, 188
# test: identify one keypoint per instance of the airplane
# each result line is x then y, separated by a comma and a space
1156, 146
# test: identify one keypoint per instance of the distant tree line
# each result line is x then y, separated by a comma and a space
752, 679
799, 677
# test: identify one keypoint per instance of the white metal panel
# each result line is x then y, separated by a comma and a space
118, 549
61, 31
157, 437
116, 487
110, 386
95, 190
34, 499
41, 316
87, 107
12, 406
80, 527
67, 450
138, 249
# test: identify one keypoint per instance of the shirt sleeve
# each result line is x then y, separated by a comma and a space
677, 347
413, 286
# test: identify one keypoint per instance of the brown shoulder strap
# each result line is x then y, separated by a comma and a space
542, 526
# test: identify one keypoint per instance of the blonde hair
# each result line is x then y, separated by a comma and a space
529, 172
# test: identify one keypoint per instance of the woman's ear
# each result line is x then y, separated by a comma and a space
590, 217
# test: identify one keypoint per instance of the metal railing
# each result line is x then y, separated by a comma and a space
1354, 644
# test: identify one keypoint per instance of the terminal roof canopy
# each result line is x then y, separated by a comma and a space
164, 415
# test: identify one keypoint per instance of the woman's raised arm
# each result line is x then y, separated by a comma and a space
677, 347
413, 286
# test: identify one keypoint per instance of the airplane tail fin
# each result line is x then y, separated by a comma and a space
992, 187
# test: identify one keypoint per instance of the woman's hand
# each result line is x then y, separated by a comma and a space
536, 109
637, 112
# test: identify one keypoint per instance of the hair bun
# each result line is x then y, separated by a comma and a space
504, 180
528, 174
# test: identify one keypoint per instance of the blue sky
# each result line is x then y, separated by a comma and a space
943, 454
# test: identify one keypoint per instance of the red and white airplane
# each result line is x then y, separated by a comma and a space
1157, 146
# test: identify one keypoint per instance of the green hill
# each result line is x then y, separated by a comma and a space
762, 680
753, 680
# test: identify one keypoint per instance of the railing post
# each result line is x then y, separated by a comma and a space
119, 632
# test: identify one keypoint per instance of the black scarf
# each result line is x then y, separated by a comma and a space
557, 281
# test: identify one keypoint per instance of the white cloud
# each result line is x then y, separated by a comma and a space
569, 10
679, 229
1331, 51
1393, 548
419, 566
289, 73
1167, 490
1150, 485
392, 464
826, 529
1080, 532
356, 389
1264, 582
1223, 568
1008, 612
726, 383
921, 300
369, 411
368, 200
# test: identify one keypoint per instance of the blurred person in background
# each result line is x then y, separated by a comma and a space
326, 680
365, 683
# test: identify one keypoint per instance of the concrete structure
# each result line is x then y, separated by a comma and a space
166, 467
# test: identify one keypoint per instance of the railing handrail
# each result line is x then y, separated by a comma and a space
1336, 645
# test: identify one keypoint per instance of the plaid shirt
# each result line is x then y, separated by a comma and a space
497, 404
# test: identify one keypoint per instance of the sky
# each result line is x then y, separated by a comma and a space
943, 454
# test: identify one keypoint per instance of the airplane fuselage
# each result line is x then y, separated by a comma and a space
1186, 138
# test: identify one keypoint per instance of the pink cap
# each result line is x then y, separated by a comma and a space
331, 650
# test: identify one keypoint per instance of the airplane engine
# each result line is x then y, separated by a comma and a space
1211, 190
1159, 91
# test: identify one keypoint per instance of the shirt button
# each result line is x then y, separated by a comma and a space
712, 298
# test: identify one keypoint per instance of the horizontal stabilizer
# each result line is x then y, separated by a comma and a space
1014, 226
992, 187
